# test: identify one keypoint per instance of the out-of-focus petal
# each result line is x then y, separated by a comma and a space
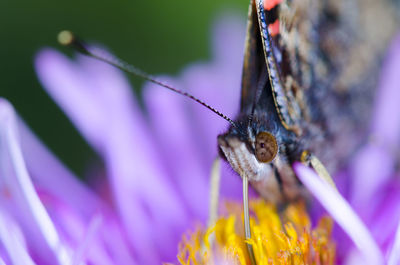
231, 187
49, 174
12, 239
151, 210
172, 124
72, 218
341, 211
385, 122
20, 196
219, 90
374, 164
115, 242
68, 84
228, 36
190, 130
385, 213
394, 253
370, 170
88, 240
217, 83
95, 240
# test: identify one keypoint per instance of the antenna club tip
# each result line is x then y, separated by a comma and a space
65, 37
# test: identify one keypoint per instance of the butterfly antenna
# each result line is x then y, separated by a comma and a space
67, 38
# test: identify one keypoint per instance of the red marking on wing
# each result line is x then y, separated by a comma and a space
274, 28
269, 4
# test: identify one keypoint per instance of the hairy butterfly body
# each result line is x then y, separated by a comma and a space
305, 88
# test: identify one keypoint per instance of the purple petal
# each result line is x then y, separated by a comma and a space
67, 83
70, 215
89, 244
394, 253
371, 169
151, 211
218, 84
171, 121
172, 116
2, 262
385, 122
90, 239
374, 164
12, 239
219, 89
115, 242
229, 33
384, 218
149, 206
17, 182
341, 211
231, 183
44, 166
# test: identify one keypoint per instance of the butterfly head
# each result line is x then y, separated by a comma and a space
250, 148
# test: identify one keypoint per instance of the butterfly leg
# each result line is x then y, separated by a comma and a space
246, 213
214, 191
316, 164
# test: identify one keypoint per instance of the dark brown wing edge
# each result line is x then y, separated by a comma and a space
252, 62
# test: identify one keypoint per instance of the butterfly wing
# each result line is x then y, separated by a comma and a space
265, 58
253, 63
323, 62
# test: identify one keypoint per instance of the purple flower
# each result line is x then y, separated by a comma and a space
158, 161
157, 166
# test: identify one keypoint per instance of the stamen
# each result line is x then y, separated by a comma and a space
284, 238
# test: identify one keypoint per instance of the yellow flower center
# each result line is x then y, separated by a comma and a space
283, 237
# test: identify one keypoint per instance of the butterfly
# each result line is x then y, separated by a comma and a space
308, 75
297, 101
293, 103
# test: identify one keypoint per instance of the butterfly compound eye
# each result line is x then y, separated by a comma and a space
266, 147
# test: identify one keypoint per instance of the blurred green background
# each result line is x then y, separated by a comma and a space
159, 36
